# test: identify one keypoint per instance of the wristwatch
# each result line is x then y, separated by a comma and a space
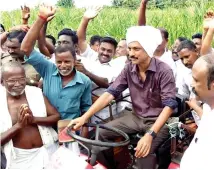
152, 133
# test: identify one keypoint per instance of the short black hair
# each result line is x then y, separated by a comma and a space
94, 39
109, 40
181, 39
165, 33
186, 44
2, 26
197, 35
69, 32
20, 35
52, 38
209, 59
64, 48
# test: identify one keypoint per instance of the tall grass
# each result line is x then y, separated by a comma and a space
114, 21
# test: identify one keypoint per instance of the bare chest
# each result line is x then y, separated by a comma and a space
14, 107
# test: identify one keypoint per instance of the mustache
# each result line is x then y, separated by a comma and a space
132, 57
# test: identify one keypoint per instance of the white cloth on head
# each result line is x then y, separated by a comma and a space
149, 37
36, 103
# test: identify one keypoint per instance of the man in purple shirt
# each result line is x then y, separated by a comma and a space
152, 90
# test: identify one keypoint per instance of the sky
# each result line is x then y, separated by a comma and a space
8, 5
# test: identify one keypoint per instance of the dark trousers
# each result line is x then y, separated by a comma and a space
130, 123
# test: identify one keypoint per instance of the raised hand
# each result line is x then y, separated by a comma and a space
20, 28
208, 20
50, 18
46, 11
144, 2
92, 12
25, 12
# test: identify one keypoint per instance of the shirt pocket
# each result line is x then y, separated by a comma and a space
69, 105
155, 99
73, 105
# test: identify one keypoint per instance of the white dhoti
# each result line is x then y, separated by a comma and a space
29, 158
36, 158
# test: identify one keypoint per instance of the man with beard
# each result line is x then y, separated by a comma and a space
153, 93
97, 65
68, 90
200, 152
27, 138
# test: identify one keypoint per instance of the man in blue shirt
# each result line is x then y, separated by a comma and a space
68, 90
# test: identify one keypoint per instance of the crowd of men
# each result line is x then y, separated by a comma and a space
44, 80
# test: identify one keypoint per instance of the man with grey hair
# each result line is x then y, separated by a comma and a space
152, 90
200, 152
27, 138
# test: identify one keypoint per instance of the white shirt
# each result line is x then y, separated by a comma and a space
199, 155
180, 68
91, 62
119, 64
167, 58
184, 88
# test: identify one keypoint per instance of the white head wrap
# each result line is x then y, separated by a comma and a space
149, 37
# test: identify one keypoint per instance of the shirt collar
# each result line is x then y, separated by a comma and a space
77, 78
152, 66
109, 63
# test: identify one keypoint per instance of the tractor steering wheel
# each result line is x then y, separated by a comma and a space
97, 142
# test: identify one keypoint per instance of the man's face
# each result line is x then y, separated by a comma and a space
14, 81
65, 63
174, 49
198, 43
122, 49
106, 52
188, 57
96, 46
137, 54
65, 40
199, 82
13, 47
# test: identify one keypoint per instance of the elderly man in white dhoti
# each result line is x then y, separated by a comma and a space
27, 138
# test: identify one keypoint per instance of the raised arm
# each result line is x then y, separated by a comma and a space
208, 33
142, 13
44, 47
90, 13
28, 43
3, 36
42, 43
25, 14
